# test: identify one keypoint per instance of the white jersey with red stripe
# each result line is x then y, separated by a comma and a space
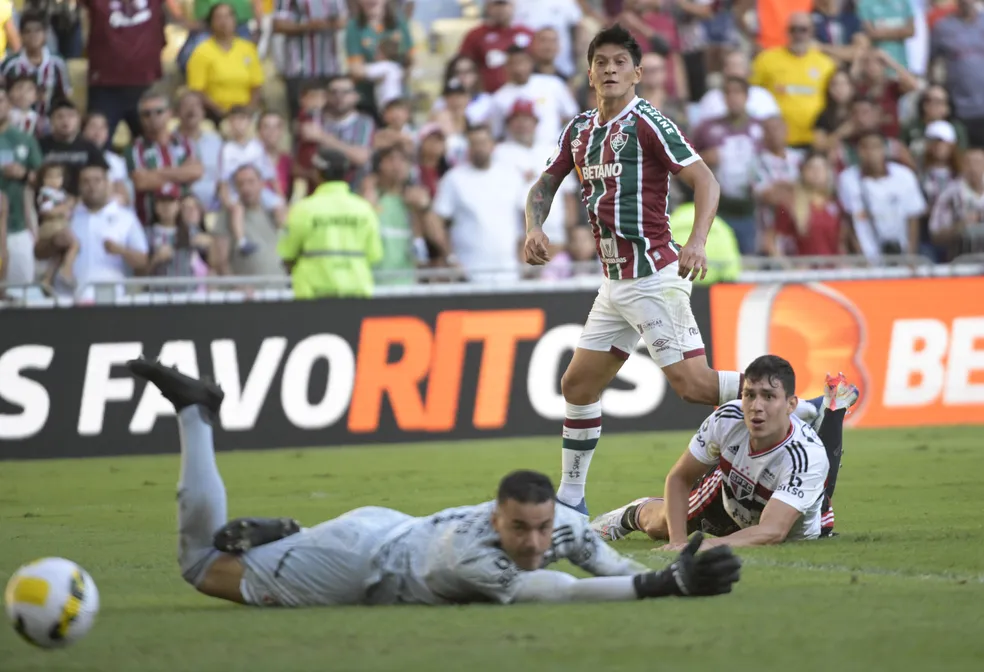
794, 471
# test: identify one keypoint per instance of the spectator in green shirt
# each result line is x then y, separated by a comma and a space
20, 156
888, 24
375, 33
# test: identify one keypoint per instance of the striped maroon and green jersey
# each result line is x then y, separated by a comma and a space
624, 168
145, 155
313, 54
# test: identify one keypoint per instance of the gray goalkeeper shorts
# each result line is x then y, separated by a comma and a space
330, 564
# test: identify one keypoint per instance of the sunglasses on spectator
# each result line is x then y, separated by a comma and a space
799, 30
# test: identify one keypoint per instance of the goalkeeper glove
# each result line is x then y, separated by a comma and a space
692, 574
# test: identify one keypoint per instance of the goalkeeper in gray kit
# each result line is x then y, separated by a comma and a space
492, 552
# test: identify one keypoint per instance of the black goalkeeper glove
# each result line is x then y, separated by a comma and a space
692, 574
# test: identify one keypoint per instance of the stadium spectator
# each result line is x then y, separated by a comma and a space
19, 157
866, 118
270, 132
95, 129
883, 200
776, 172
476, 215
761, 103
833, 125
36, 60
311, 29
124, 53
694, 41
940, 164
811, 223
206, 144
888, 24
956, 42
579, 257
487, 45
550, 97
432, 162
157, 156
224, 68
176, 246
871, 71
464, 73
65, 144
933, 105
343, 128
797, 76
656, 31
54, 206
9, 36
729, 145
652, 87
260, 224
312, 104
838, 30
454, 121
522, 153
22, 92
556, 21
957, 220
400, 224
376, 35
64, 25
113, 245
244, 11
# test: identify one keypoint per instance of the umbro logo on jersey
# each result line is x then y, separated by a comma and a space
575, 144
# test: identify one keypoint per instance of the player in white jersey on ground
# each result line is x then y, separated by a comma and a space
754, 474
624, 153
491, 552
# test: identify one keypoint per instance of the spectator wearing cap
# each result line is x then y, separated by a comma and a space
475, 220
19, 158
729, 145
36, 60
933, 105
112, 243
176, 248
956, 42
940, 163
520, 153
311, 29
225, 68
65, 144
957, 220
377, 34
552, 100
461, 74
124, 54
343, 128
563, 20
888, 24
883, 200
488, 44
332, 239
797, 76
95, 129
158, 156
260, 224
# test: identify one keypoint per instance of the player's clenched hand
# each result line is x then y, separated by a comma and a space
693, 261
535, 249
693, 574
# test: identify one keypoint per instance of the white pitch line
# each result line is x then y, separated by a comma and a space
948, 577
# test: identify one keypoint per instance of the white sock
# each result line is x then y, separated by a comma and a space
582, 429
729, 386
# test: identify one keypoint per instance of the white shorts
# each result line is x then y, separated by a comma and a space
656, 307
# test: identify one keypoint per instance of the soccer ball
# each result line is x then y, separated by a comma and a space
52, 602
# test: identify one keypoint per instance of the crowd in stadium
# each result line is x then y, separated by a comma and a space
834, 127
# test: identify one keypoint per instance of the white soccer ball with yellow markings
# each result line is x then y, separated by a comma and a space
52, 602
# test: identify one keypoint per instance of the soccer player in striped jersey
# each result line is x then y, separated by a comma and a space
756, 473
624, 153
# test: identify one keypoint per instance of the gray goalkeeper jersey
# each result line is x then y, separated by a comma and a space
454, 557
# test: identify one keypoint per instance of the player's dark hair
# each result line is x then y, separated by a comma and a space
620, 37
525, 487
33, 16
773, 369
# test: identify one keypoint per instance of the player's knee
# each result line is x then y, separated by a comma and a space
694, 387
578, 389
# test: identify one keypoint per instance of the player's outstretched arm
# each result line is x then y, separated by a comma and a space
692, 574
707, 194
538, 203
774, 525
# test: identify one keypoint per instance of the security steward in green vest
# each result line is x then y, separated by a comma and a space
332, 236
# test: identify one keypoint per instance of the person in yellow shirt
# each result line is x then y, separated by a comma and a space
225, 69
797, 76
10, 41
332, 239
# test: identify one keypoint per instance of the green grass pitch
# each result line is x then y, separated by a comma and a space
902, 588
